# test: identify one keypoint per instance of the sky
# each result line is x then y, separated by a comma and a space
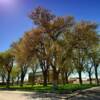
14, 20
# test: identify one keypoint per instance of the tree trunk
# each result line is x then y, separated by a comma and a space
3, 79
22, 80
96, 75
48, 76
23, 73
80, 77
45, 78
90, 79
44, 68
66, 76
8, 80
55, 79
18, 80
63, 78
33, 79
12, 81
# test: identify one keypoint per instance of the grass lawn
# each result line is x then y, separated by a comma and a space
68, 88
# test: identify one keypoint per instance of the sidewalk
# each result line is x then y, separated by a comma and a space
23, 95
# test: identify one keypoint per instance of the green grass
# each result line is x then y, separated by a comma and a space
74, 87
68, 88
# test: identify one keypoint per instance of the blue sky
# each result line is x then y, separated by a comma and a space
14, 19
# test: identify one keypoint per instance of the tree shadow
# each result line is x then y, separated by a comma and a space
46, 96
87, 95
7, 89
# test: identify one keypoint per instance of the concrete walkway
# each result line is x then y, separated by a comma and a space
19, 95
89, 94
8, 95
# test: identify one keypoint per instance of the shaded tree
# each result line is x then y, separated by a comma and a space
85, 36
3, 73
7, 61
22, 60
95, 57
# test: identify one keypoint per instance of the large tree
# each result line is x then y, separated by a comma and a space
95, 60
55, 41
34, 66
52, 27
85, 37
7, 59
22, 59
3, 72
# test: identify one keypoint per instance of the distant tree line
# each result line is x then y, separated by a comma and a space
59, 43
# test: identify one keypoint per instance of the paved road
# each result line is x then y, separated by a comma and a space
90, 94
17, 95
9, 95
